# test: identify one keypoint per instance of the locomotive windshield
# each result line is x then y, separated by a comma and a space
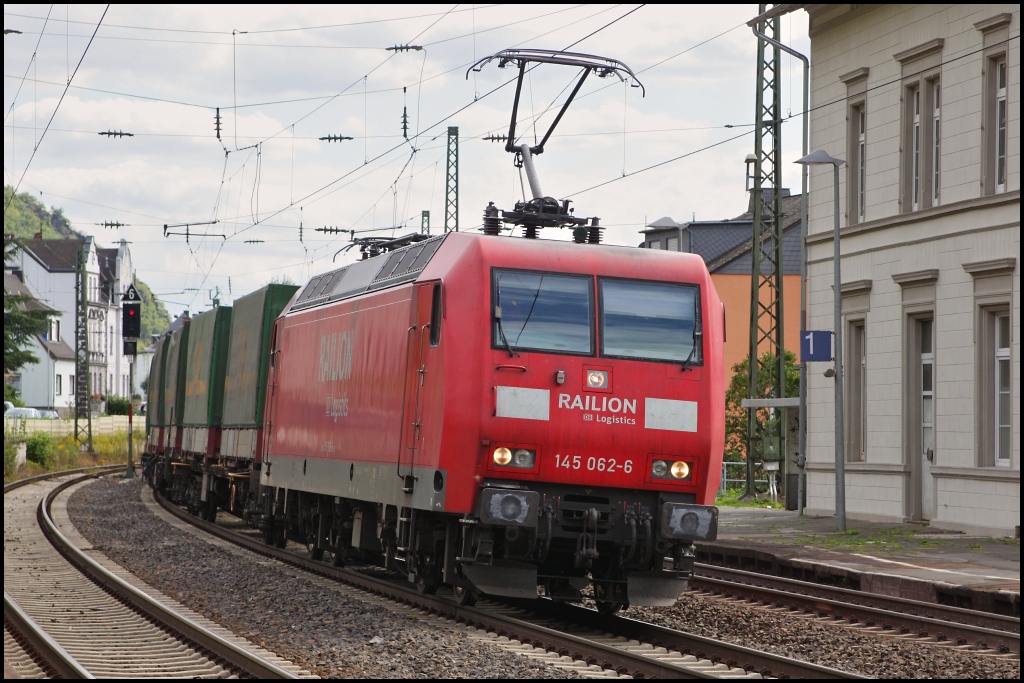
650, 321
542, 312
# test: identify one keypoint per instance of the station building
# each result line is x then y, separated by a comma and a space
923, 104
46, 269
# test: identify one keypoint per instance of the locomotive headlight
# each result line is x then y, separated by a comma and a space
524, 458
680, 469
502, 456
597, 379
669, 469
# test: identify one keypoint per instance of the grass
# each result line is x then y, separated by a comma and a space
731, 498
975, 547
56, 454
876, 541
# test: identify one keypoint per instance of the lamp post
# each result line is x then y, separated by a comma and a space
815, 158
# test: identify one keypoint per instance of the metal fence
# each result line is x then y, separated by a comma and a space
101, 426
743, 475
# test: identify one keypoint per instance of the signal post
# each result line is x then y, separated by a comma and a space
131, 330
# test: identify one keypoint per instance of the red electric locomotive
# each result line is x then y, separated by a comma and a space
490, 413
498, 413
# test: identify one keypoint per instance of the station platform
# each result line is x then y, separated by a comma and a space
909, 560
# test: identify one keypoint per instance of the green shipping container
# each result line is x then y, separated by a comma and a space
245, 385
155, 387
208, 341
174, 376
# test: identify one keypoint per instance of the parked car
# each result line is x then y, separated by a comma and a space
142, 408
21, 414
7, 406
48, 414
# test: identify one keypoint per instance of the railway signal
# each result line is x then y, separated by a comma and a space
131, 330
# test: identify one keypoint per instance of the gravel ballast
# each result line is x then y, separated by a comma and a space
826, 644
334, 635
318, 628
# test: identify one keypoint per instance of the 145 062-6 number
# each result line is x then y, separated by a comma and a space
592, 464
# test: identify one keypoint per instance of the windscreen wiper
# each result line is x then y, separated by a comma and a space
697, 334
501, 330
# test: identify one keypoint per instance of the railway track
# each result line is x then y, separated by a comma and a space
556, 631
67, 614
909, 618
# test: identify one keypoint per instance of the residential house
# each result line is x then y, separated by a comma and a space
49, 382
47, 268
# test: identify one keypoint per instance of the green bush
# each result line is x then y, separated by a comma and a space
117, 405
11, 395
39, 449
10, 457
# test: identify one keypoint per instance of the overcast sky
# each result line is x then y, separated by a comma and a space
284, 76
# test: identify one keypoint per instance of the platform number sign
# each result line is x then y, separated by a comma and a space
131, 314
816, 345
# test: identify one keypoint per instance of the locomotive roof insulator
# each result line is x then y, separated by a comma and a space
543, 211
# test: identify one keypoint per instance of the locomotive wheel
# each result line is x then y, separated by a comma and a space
426, 584
605, 606
608, 608
315, 551
280, 536
338, 557
464, 596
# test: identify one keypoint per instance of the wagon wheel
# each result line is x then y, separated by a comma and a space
426, 575
464, 595
210, 511
313, 547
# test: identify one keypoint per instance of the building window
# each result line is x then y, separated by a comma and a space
936, 135
1000, 124
995, 136
1002, 429
856, 392
71, 384
995, 398
927, 391
921, 152
57, 385
914, 96
857, 168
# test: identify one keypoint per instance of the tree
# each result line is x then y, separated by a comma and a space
155, 318
24, 317
736, 414
281, 280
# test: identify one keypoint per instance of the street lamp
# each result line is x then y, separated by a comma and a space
815, 158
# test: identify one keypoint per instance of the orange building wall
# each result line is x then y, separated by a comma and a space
734, 291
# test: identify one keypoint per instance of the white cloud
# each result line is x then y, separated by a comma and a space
172, 171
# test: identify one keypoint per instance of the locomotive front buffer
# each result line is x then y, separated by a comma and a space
636, 547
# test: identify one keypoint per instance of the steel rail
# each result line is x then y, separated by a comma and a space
47, 649
736, 656
235, 655
904, 615
578, 647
